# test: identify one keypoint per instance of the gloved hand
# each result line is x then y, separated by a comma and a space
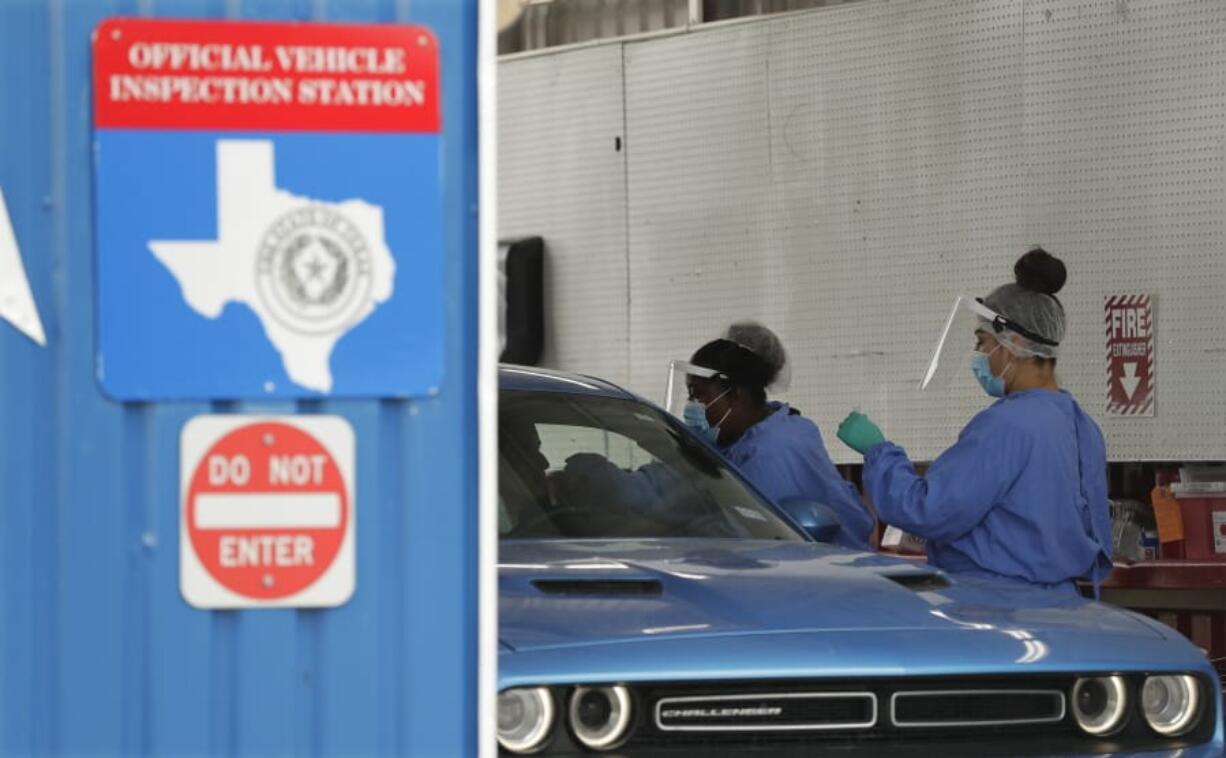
859, 433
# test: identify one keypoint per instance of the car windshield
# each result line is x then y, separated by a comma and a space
588, 467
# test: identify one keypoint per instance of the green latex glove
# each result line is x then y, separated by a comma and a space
859, 433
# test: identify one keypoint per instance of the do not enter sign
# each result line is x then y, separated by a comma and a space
267, 512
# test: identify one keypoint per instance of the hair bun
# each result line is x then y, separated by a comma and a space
1040, 271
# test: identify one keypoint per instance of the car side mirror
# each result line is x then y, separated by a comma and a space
818, 520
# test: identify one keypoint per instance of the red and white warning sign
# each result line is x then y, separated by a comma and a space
1130, 355
267, 511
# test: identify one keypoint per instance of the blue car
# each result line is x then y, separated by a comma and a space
652, 603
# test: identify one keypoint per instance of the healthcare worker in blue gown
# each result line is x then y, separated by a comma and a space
1022, 495
778, 450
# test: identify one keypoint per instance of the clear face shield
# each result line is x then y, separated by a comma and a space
969, 319
958, 340
686, 379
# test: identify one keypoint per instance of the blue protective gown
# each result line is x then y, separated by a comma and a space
1022, 495
784, 457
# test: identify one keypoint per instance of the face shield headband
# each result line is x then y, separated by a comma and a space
1000, 323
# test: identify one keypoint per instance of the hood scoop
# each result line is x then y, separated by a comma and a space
919, 581
599, 587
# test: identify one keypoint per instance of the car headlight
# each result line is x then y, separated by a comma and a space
600, 716
525, 718
1171, 704
1100, 704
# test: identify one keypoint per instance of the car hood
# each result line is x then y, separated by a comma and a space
556, 594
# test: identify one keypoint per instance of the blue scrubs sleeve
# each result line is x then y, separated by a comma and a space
960, 487
832, 490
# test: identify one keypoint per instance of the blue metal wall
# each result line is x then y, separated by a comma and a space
99, 654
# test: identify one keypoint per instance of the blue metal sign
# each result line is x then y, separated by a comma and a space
269, 213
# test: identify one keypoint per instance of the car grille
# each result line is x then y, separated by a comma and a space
966, 715
969, 707
864, 711
767, 712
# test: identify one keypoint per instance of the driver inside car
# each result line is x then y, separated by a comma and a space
654, 491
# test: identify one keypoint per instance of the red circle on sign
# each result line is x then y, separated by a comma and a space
267, 510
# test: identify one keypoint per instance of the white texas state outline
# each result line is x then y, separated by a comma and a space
212, 273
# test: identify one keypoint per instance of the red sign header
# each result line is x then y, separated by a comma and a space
235, 75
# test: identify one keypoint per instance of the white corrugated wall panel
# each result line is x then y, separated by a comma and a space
561, 176
1125, 107
902, 125
698, 126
